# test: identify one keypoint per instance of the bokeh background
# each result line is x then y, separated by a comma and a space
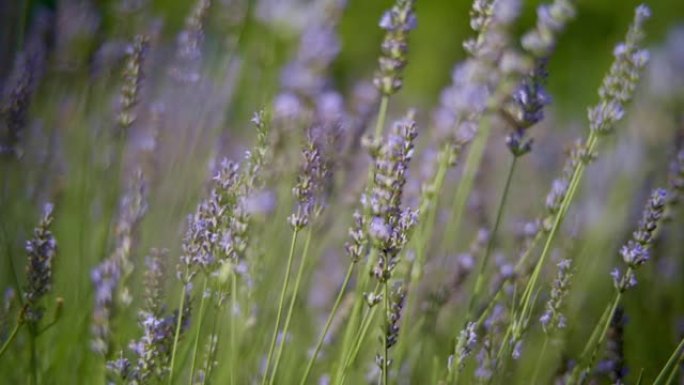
577, 67
81, 82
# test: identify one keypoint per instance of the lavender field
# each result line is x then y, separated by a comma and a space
340, 192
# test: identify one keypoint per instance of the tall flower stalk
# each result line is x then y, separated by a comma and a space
615, 92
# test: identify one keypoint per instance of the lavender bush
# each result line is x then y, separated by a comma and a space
204, 209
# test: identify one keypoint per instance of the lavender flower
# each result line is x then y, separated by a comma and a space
205, 227
467, 340
19, 88
189, 45
551, 19
618, 86
154, 280
310, 182
132, 80
305, 79
356, 248
636, 251
552, 316
398, 297
397, 22
105, 278
389, 224
109, 277
41, 251
526, 109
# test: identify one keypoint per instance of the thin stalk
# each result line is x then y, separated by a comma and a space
542, 354
328, 322
596, 339
366, 323
479, 281
429, 207
465, 186
34, 357
671, 366
176, 334
290, 310
359, 301
382, 116
11, 338
527, 302
233, 324
385, 363
199, 329
281, 303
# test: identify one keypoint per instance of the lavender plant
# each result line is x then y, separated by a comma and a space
320, 244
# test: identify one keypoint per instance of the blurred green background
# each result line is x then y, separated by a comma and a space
577, 66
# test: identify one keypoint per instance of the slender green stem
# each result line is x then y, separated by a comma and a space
385, 357
293, 300
516, 327
671, 366
195, 348
233, 326
540, 358
365, 326
428, 212
596, 339
34, 357
176, 335
328, 322
382, 116
479, 281
281, 303
11, 338
349, 334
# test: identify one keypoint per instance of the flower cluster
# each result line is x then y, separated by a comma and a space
397, 22
189, 45
132, 81
389, 224
636, 252
618, 86
310, 182
19, 87
552, 317
206, 225
109, 277
526, 108
41, 251
551, 19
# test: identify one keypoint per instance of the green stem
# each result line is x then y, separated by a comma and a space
11, 338
34, 357
385, 362
671, 366
349, 334
281, 303
176, 335
518, 324
328, 322
293, 300
382, 116
540, 358
199, 329
479, 282
358, 342
233, 324
597, 337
